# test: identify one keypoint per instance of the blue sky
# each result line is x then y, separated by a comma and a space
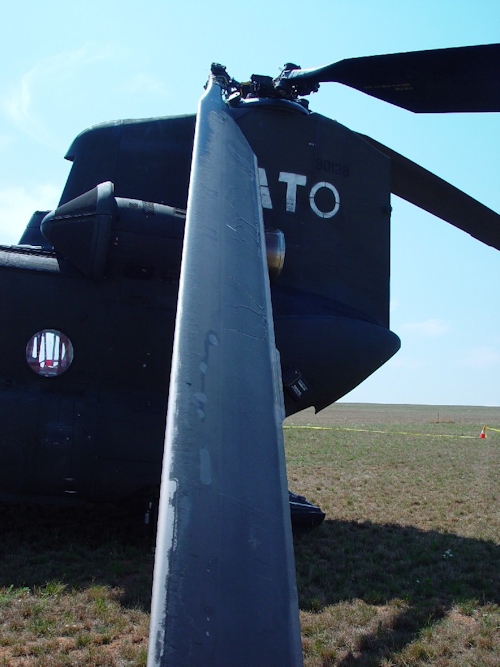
66, 66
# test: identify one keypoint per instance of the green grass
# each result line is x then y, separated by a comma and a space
404, 571
75, 587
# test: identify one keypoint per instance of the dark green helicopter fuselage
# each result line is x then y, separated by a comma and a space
107, 278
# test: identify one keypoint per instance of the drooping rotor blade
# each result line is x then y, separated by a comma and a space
431, 193
437, 81
224, 589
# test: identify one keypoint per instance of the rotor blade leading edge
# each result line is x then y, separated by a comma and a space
224, 589
424, 189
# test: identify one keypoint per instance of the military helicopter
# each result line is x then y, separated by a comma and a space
234, 263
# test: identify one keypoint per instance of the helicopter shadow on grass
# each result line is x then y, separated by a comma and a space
79, 547
427, 571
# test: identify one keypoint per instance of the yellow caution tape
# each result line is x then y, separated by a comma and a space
490, 428
366, 430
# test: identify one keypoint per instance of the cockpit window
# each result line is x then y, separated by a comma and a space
49, 353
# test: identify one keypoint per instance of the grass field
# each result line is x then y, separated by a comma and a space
404, 571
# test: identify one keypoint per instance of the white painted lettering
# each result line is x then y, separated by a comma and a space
265, 195
314, 190
291, 180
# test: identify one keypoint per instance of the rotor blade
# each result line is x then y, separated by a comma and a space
442, 80
224, 589
431, 193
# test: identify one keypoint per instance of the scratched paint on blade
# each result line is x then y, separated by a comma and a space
242, 162
168, 537
205, 467
218, 116
200, 399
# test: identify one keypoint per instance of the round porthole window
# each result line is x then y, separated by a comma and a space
49, 353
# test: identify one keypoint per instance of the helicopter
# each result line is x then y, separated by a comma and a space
202, 277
